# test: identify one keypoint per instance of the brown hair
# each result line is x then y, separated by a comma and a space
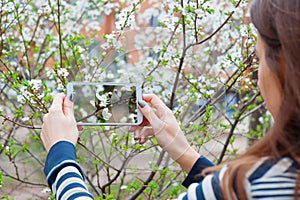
278, 24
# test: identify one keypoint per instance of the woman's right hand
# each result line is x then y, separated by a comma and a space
160, 122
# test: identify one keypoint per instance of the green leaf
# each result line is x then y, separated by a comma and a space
210, 10
24, 147
232, 139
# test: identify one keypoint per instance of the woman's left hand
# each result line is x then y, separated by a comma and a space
59, 123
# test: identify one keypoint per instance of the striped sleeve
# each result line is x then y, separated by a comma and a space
64, 175
194, 174
208, 188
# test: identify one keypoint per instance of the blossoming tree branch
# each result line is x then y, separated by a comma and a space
196, 55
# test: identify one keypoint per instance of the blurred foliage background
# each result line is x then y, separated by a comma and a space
197, 55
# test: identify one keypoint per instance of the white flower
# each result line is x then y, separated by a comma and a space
8, 6
102, 99
92, 102
244, 31
132, 117
100, 88
60, 86
24, 119
20, 99
123, 119
106, 115
41, 96
210, 92
124, 89
93, 26
62, 72
87, 91
83, 112
175, 184
244, 4
261, 120
80, 49
110, 76
46, 190
105, 46
26, 34
123, 187
35, 84
13, 63
121, 71
102, 76
1, 109
114, 136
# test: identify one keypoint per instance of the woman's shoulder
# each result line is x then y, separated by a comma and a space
273, 176
268, 166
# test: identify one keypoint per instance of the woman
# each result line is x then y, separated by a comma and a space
268, 170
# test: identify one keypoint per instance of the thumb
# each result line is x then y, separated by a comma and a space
68, 106
150, 115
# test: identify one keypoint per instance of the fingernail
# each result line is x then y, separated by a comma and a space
142, 103
71, 97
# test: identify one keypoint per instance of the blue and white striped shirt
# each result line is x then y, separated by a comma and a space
64, 175
267, 179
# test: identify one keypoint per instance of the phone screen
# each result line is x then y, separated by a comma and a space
105, 103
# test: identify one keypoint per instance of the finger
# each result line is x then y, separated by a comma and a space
147, 132
57, 102
79, 128
137, 135
145, 122
160, 107
45, 117
68, 107
133, 128
161, 111
149, 114
42, 136
154, 100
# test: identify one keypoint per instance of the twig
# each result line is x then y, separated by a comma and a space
221, 92
150, 177
180, 63
59, 34
96, 156
17, 123
237, 120
217, 30
20, 180
191, 45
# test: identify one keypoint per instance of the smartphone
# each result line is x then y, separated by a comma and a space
106, 104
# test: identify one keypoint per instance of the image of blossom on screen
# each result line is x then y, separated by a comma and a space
106, 115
